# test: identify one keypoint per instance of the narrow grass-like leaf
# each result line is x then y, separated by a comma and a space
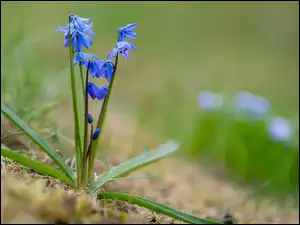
39, 167
37, 140
133, 164
156, 207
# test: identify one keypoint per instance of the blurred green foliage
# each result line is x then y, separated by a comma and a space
244, 148
182, 48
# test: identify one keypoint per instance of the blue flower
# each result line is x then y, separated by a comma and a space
96, 134
96, 92
79, 38
251, 103
280, 129
126, 32
85, 59
106, 70
208, 100
80, 24
122, 47
80, 32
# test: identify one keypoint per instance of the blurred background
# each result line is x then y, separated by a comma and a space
183, 48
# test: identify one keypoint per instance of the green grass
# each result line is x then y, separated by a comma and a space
182, 48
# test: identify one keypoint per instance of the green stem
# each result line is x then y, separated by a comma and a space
86, 109
81, 76
78, 146
101, 121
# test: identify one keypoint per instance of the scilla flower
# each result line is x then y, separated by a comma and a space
127, 32
82, 25
280, 129
79, 31
96, 92
88, 61
106, 70
122, 47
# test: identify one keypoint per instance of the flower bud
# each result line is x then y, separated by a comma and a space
90, 118
96, 134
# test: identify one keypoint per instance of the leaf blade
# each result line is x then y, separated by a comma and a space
133, 164
157, 207
40, 167
37, 140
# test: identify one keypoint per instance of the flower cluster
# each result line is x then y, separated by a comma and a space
122, 46
78, 34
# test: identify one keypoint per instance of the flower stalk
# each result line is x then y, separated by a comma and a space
75, 111
86, 107
101, 121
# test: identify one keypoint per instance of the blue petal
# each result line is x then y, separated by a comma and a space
124, 54
92, 90
76, 43
123, 44
85, 40
78, 58
130, 27
130, 35
113, 53
93, 68
102, 92
66, 42
63, 28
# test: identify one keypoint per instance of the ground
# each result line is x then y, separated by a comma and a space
27, 196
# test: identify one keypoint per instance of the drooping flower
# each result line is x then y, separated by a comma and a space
280, 129
80, 32
208, 100
122, 47
82, 25
98, 67
88, 61
96, 134
127, 32
106, 70
96, 92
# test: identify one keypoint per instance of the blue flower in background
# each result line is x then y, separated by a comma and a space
96, 92
122, 47
251, 103
127, 32
280, 129
208, 100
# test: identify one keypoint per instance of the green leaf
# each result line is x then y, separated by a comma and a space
39, 167
133, 164
156, 207
37, 140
